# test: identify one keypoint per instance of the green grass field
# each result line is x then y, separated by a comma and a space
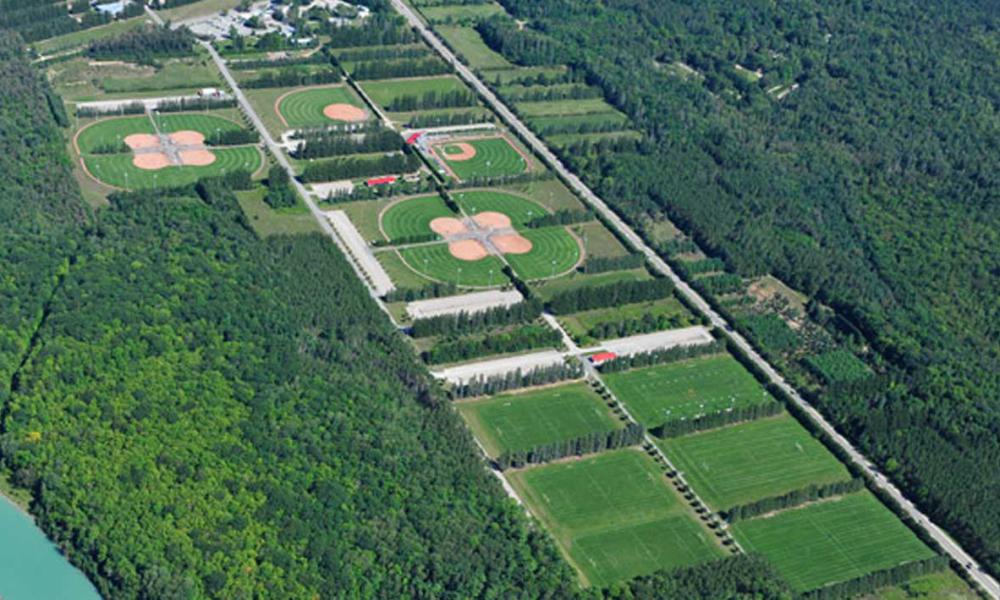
751, 461
559, 108
436, 262
400, 274
385, 91
413, 216
204, 123
547, 289
519, 209
614, 515
831, 541
685, 389
471, 47
504, 77
570, 122
494, 157
554, 251
267, 221
305, 108
117, 169
111, 131
578, 325
522, 421
598, 241
460, 12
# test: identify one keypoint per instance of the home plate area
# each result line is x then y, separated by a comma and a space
477, 237
183, 148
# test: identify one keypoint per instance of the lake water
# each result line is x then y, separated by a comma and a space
31, 567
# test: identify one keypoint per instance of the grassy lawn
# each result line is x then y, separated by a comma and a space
598, 241
467, 42
267, 221
384, 92
437, 14
831, 541
172, 75
554, 251
551, 193
494, 157
78, 39
413, 216
518, 208
524, 420
436, 262
574, 281
668, 311
400, 274
686, 388
304, 108
614, 515
561, 123
364, 215
263, 101
751, 461
945, 585
585, 106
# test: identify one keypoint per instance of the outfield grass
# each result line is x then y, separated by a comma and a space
554, 251
522, 421
204, 123
467, 42
400, 274
577, 280
614, 515
413, 216
518, 208
117, 169
831, 541
305, 108
436, 262
263, 101
559, 108
384, 92
105, 132
747, 462
578, 325
685, 389
495, 156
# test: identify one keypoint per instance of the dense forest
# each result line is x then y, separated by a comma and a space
194, 421
851, 149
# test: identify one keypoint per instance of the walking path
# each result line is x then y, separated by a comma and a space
954, 550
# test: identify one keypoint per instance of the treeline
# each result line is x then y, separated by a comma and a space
319, 144
722, 283
552, 93
647, 323
432, 99
523, 46
381, 53
413, 238
138, 108
292, 77
603, 264
495, 384
502, 180
435, 289
380, 29
233, 137
280, 193
252, 64
36, 20
465, 322
391, 69
872, 582
613, 294
794, 498
144, 44
740, 576
348, 168
565, 216
597, 441
569, 126
449, 118
659, 357
526, 337
736, 414
400, 188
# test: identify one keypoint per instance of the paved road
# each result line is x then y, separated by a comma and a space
947, 543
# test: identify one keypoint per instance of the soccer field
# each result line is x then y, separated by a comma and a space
413, 216
750, 461
554, 251
686, 388
608, 503
522, 421
831, 541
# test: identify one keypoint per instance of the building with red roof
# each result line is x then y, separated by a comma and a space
381, 180
602, 357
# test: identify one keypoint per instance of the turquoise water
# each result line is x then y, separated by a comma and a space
31, 567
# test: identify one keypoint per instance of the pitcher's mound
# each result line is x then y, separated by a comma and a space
492, 220
344, 112
196, 158
468, 250
511, 243
447, 226
187, 138
151, 161
459, 151
137, 141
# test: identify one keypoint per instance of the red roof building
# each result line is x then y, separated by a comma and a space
602, 357
381, 180
414, 137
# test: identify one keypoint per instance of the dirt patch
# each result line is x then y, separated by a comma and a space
464, 152
344, 112
139, 141
187, 138
196, 158
447, 226
511, 243
492, 220
151, 161
469, 250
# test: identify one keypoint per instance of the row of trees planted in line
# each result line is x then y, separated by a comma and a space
435, 289
871, 582
419, 120
597, 441
636, 325
659, 357
407, 67
138, 108
141, 45
603, 264
400, 188
432, 99
495, 384
292, 77
565, 216
465, 322
736, 414
794, 498
613, 294
321, 144
381, 29
525, 337
413, 238
348, 168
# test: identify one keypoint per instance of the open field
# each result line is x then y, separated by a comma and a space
570, 123
577, 280
267, 221
436, 262
686, 388
559, 108
618, 499
263, 100
522, 421
204, 123
554, 251
598, 241
577, 325
364, 214
831, 541
85, 37
484, 157
551, 193
467, 42
504, 77
519, 209
304, 108
399, 272
80, 79
384, 92
944, 585
458, 12
117, 169
747, 462
413, 216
